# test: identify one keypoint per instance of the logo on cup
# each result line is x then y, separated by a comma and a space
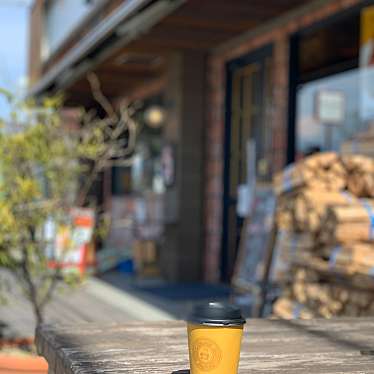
206, 354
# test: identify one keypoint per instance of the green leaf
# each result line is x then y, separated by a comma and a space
8, 95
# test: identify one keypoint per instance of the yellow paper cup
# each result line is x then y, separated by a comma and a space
215, 333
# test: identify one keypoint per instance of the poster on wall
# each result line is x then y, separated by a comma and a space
367, 64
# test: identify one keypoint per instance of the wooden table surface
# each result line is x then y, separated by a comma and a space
269, 346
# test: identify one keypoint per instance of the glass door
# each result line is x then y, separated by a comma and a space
249, 95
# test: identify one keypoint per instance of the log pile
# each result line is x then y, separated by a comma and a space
324, 251
309, 297
348, 223
329, 172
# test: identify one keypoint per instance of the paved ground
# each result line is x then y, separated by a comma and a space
112, 297
176, 299
94, 301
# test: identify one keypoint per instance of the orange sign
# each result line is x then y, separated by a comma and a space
367, 25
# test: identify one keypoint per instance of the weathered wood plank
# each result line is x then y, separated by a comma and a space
269, 346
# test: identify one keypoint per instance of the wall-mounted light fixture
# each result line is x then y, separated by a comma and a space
154, 116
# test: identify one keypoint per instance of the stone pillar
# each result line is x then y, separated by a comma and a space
181, 254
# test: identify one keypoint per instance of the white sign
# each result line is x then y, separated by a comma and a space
245, 191
168, 164
330, 107
243, 204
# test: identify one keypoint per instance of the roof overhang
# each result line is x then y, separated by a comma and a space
134, 48
130, 20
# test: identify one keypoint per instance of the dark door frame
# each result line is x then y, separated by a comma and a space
231, 67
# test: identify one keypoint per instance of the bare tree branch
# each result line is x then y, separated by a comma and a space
52, 286
98, 95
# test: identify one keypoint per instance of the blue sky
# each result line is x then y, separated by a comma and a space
14, 36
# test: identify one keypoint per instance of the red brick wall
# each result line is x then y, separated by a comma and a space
214, 167
278, 35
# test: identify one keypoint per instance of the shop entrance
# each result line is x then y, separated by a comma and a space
248, 96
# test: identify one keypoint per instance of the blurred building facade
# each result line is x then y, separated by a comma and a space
241, 84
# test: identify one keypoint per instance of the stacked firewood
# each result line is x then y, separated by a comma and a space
324, 252
311, 295
330, 172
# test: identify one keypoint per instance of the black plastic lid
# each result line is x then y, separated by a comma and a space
216, 314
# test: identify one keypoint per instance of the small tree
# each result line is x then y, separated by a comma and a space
46, 168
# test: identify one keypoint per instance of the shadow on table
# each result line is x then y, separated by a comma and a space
334, 337
181, 372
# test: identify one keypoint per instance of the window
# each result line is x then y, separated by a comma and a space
332, 103
61, 18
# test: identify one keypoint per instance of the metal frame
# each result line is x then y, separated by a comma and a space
293, 75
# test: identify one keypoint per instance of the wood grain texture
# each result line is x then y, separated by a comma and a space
269, 346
